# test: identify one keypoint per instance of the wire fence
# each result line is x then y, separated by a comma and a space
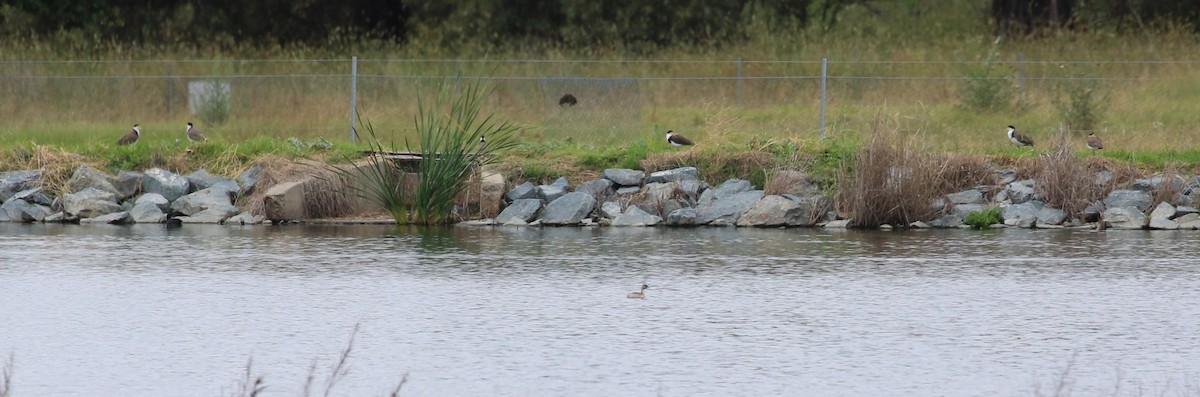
613, 100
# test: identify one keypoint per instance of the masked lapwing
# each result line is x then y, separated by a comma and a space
1018, 138
1094, 142
678, 140
639, 294
131, 137
194, 134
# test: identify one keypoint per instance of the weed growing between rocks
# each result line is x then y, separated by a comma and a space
983, 219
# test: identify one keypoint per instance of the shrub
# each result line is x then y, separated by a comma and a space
983, 219
986, 90
1080, 104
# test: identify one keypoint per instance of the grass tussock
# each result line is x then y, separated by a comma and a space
1068, 183
788, 182
56, 164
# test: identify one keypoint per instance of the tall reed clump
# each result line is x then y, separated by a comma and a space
1069, 183
456, 139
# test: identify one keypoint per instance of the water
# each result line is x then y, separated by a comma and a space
149, 311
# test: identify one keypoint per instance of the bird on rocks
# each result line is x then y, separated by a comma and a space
131, 137
194, 134
1018, 138
678, 140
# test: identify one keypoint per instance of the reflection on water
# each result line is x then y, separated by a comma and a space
146, 310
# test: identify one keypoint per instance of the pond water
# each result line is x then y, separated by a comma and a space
150, 311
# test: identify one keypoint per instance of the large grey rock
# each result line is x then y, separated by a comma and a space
165, 183
569, 209
625, 176
966, 197
201, 180
249, 178
1022, 215
1051, 216
13, 210
87, 177
127, 183
1189, 221
1005, 176
1151, 183
683, 217
634, 216
154, 198
1128, 198
727, 210
33, 196
553, 191
89, 203
1092, 212
1160, 218
147, 212
674, 175
523, 191
15, 181
964, 210
202, 200
216, 214
610, 209
524, 210
116, 218
1184, 210
1021, 191
691, 188
1103, 178
628, 190
597, 188
793, 182
36, 213
775, 210
728, 189
55, 217
1127, 218
948, 221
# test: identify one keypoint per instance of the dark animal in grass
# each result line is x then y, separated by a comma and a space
567, 100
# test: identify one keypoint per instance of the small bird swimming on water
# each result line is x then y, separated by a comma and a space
194, 134
131, 137
1094, 142
567, 100
678, 140
640, 294
1018, 138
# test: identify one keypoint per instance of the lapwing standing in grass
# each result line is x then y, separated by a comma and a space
1018, 138
639, 294
1094, 142
194, 135
678, 140
567, 100
131, 137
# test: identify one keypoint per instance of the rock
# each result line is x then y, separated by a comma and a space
628, 190
1021, 191
1125, 218
793, 182
683, 217
1151, 183
165, 183
1189, 221
691, 189
33, 196
1092, 212
1160, 218
127, 183
201, 180
947, 221
1005, 176
727, 210
964, 210
1128, 198
523, 191
116, 218
524, 210
285, 201
211, 215
154, 198
597, 188
13, 210
146, 211
783, 211
249, 178
674, 175
474, 222
15, 181
1184, 210
624, 176
1022, 215
569, 209
966, 197
657, 192
247, 218
610, 209
202, 200
55, 217
729, 188
551, 192
36, 213
87, 177
838, 224
914, 225
90, 202
1103, 178
1001, 197
1050, 217
634, 216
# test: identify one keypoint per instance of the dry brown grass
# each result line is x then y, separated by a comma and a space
56, 164
326, 195
1066, 182
788, 181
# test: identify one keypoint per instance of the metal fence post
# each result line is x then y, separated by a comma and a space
740, 84
353, 98
824, 79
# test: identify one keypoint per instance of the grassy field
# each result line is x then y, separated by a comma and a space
948, 86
